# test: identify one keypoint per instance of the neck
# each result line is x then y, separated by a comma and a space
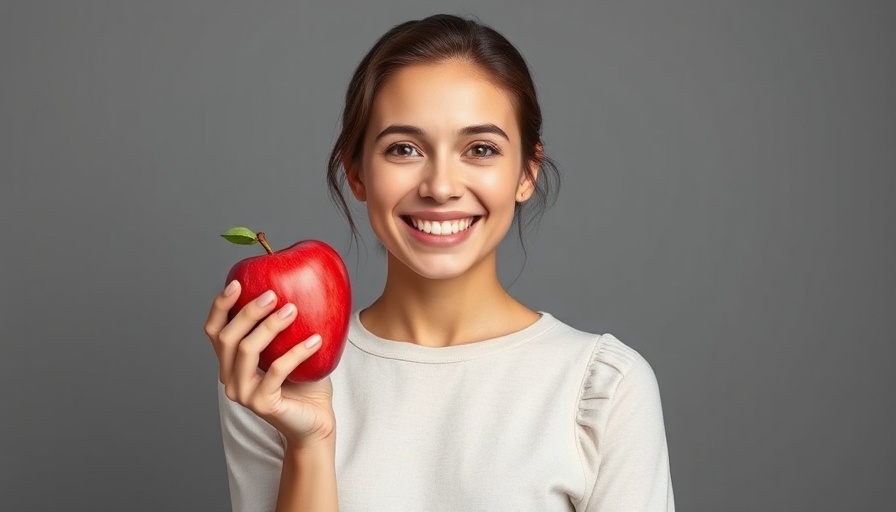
442, 312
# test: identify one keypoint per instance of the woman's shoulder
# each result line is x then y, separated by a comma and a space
609, 360
604, 347
617, 381
620, 432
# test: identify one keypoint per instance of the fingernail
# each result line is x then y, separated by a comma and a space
230, 288
286, 312
312, 341
265, 299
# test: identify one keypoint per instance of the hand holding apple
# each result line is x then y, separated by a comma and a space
309, 274
301, 411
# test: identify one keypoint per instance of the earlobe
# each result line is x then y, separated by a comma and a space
353, 177
526, 187
524, 192
527, 181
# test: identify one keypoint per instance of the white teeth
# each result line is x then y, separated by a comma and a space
448, 227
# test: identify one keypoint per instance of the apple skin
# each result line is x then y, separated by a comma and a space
311, 275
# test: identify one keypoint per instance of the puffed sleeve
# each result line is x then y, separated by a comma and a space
253, 450
621, 435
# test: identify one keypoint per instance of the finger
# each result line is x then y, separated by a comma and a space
247, 357
217, 316
248, 317
232, 335
285, 364
217, 321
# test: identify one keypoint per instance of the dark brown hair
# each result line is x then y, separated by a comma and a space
431, 40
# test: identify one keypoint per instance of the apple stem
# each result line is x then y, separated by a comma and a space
264, 242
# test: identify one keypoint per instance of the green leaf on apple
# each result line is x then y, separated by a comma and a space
240, 235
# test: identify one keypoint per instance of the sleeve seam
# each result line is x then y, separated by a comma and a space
598, 344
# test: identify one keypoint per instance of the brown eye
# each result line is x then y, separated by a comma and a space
483, 151
402, 150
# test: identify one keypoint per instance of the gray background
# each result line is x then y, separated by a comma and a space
726, 210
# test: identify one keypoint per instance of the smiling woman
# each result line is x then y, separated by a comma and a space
451, 394
442, 146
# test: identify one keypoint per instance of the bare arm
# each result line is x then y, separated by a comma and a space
308, 478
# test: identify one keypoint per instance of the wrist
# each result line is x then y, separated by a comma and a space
311, 448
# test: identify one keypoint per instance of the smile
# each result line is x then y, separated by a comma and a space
445, 227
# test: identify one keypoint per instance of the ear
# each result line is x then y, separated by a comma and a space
354, 180
526, 186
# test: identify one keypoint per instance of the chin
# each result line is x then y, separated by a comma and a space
439, 276
436, 270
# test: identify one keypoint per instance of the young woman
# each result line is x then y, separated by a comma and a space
451, 394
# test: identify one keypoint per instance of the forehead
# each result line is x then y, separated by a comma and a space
444, 96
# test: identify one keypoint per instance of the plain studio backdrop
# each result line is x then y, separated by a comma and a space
726, 210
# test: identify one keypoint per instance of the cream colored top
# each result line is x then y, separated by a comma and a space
548, 418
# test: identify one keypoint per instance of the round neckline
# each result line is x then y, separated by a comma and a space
372, 344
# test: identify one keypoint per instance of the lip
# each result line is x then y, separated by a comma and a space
441, 216
440, 241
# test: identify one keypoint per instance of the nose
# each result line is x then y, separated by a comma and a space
441, 181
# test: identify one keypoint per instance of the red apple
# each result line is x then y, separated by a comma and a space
311, 275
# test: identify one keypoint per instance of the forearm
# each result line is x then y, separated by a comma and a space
308, 479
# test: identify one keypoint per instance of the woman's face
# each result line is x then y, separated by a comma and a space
441, 168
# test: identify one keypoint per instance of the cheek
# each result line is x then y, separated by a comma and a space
389, 185
382, 201
500, 191
382, 195
378, 216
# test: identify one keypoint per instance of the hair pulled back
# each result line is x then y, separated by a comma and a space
429, 41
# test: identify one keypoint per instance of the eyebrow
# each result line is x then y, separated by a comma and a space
406, 129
